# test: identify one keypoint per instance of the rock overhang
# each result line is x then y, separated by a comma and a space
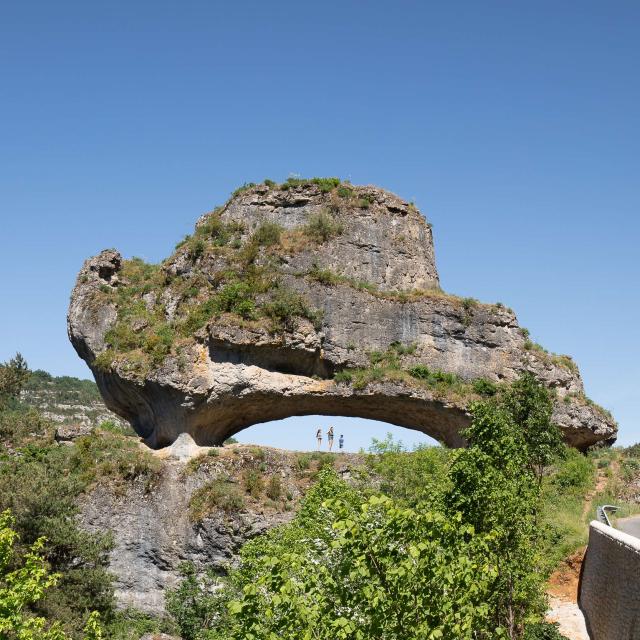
316, 298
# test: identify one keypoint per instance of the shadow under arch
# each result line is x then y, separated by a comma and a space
160, 413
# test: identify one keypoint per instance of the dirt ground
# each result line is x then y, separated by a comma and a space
563, 597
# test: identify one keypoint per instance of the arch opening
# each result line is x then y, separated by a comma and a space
298, 433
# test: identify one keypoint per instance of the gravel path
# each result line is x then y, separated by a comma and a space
569, 617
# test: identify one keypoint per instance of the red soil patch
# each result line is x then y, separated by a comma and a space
563, 583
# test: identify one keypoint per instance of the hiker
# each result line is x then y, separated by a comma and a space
341, 442
330, 437
319, 438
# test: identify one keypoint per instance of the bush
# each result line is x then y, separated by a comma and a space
484, 387
267, 234
105, 457
13, 377
285, 306
236, 298
194, 604
217, 232
254, 483
41, 488
323, 276
217, 494
574, 472
23, 582
322, 227
421, 372
274, 488
403, 349
326, 184
345, 376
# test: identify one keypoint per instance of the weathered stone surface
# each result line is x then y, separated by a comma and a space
69, 432
152, 530
233, 374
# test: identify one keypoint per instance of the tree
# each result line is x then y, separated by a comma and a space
13, 376
496, 485
462, 564
24, 581
42, 496
530, 406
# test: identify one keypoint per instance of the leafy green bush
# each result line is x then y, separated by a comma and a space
13, 377
41, 487
344, 376
408, 477
403, 349
236, 298
421, 372
574, 472
484, 387
323, 276
326, 184
303, 461
397, 590
195, 605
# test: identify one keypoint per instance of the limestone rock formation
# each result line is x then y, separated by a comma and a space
155, 531
312, 297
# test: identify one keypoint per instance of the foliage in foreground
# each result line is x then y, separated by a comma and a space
460, 560
24, 579
40, 483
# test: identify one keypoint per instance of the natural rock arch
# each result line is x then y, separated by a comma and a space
311, 298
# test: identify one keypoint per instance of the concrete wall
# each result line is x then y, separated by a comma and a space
610, 584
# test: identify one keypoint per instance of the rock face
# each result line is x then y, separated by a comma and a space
304, 299
154, 531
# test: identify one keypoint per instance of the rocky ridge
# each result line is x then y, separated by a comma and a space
313, 297
67, 401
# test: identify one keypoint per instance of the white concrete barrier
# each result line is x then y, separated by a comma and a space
610, 584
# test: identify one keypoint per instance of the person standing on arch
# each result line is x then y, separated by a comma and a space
319, 437
330, 437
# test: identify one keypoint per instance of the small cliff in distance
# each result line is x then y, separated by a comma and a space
311, 297
66, 400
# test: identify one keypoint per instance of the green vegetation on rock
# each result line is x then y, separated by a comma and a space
443, 528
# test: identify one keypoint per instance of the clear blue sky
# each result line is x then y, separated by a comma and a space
514, 126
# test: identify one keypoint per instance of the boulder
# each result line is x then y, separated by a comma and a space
67, 433
305, 298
